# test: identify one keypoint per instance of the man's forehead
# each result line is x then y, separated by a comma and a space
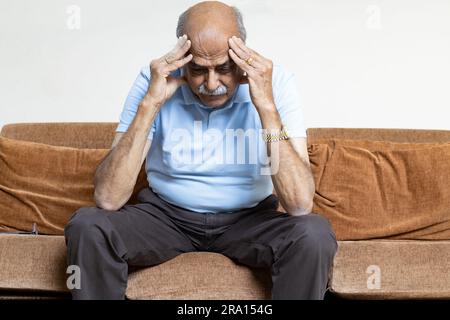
210, 62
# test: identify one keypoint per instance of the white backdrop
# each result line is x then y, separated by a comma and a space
360, 63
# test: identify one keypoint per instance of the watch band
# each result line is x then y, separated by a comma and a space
274, 137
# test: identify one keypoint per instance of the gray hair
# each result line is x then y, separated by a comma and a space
239, 20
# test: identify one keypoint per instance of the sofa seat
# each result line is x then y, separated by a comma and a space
406, 269
35, 266
33, 263
199, 275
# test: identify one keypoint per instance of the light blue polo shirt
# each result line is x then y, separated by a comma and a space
212, 159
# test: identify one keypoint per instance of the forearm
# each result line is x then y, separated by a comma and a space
116, 176
291, 175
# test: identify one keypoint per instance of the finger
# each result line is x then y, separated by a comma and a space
179, 63
180, 43
245, 53
243, 46
182, 46
242, 64
174, 56
242, 52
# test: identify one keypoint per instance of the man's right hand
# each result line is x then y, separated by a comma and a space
163, 85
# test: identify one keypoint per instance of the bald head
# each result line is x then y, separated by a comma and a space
211, 74
209, 25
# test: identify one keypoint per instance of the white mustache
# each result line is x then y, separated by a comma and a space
220, 90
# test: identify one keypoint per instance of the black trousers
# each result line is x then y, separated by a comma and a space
298, 250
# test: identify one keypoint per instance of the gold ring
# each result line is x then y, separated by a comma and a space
249, 61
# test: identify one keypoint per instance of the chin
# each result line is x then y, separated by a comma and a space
215, 102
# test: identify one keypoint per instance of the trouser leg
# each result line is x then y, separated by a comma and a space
104, 243
304, 258
98, 251
298, 250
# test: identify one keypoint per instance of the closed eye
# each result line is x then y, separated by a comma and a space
197, 69
225, 68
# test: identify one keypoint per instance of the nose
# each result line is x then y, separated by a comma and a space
212, 81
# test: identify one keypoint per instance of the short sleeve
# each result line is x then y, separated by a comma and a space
287, 100
135, 96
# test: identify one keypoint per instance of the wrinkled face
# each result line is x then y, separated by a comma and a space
212, 75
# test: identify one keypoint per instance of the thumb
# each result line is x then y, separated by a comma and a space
173, 83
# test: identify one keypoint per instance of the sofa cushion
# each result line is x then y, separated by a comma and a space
375, 145
199, 275
392, 269
375, 189
46, 184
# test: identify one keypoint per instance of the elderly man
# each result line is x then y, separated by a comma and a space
183, 115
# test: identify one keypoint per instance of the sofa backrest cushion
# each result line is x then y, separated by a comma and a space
379, 189
46, 184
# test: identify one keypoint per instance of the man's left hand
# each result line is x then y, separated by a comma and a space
259, 73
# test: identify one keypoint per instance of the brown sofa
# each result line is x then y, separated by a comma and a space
35, 266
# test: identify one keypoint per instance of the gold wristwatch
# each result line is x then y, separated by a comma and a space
274, 137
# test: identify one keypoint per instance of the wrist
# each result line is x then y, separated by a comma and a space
267, 106
270, 118
148, 109
149, 102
